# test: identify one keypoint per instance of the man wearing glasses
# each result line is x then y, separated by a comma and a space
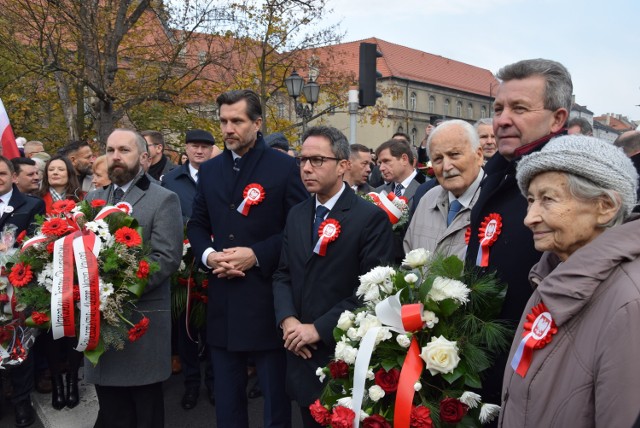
329, 241
159, 163
242, 200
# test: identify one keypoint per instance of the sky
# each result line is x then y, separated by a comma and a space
598, 41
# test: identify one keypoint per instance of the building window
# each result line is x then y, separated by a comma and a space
281, 110
432, 104
413, 101
414, 136
445, 108
483, 112
470, 111
458, 109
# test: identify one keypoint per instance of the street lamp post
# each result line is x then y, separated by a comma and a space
311, 91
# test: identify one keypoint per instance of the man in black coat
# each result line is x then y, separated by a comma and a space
531, 106
242, 201
19, 211
318, 273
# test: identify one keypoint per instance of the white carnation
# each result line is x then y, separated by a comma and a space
370, 375
440, 355
376, 393
488, 412
183, 265
185, 248
346, 352
377, 279
346, 320
447, 288
417, 386
416, 258
372, 294
345, 402
403, 340
368, 322
471, 399
321, 374
411, 278
383, 334
429, 318
352, 334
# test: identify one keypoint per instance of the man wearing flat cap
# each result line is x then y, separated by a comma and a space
277, 141
183, 181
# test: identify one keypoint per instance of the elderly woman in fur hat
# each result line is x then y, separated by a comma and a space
574, 359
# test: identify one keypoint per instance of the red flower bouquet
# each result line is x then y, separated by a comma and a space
189, 288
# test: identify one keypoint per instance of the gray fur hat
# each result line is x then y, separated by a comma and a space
591, 158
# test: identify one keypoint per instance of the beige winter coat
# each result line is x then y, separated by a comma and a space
589, 375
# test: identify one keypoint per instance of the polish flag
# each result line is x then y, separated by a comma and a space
9, 146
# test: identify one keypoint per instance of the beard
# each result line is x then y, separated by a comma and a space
120, 174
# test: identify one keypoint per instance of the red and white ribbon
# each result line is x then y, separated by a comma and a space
85, 248
253, 194
328, 231
385, 202
538, 331
488, 233
62, 312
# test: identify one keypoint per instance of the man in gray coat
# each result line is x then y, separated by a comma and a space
129, 382
442, 217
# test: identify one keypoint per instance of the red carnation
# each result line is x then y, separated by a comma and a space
388, 380
20, 275
452, 410
62, 207
339, 369
50, 247
39, 317
205, 284
55, 227
21, 237
4, 298
375, 421
420, 417
342, 417
128, 236
143, 269
97, 203
320, 413
138, 330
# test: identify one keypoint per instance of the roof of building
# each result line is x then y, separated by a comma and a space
406, 63
581, 109
614, 122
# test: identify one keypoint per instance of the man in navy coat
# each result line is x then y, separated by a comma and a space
239, 211
316, 280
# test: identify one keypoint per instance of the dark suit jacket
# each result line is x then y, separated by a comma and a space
179, 180
25, 208
240, 315
317, 289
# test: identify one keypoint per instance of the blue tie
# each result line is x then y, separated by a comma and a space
454, 208
398, 189
321, 211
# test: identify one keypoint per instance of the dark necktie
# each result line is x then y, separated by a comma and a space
398, 189
321, 211
236, 165
454, 208
118, 195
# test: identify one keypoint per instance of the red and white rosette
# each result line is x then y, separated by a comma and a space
253, 194
488, 233
385, 202
125, 207
538, 331
328, 231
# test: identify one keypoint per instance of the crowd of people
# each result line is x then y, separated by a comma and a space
527, 194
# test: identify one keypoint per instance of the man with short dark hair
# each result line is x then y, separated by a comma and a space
359, 169
250, 190
630, 143
531, 106
579, 125
27, 177
396, 160
311, 289
160, 164
81, 157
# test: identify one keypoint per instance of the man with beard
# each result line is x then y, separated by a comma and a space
250, 190
81, 157
129, 382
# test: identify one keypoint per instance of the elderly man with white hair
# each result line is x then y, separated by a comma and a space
443, 214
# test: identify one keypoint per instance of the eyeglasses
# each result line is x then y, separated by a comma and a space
316, 161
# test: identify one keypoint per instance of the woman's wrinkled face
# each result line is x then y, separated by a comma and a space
560, 222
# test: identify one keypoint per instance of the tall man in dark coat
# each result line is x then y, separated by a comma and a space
239, 212
531, 106
129, 382
312, 289
18, 210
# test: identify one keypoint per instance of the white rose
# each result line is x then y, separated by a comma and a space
370, 375
376, 393
417, 386
488, 412
416, 258
429, 318
403, 340
370, 321
440, 355
411, 278
383, 334
346, 320
471, 399
346, 352
447, 288
345, 402
321, 374
352, 334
